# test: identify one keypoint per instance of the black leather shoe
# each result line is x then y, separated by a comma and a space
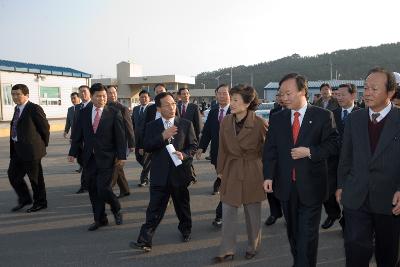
96, 225
249, 255
118, 218
143, 184
21, 205
221, 259
81, 190
271, 220
123, 195
208, 158
217, 223
140, 245
328, 223
36, 208
186, 237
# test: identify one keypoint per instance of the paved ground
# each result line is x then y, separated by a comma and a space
58, 236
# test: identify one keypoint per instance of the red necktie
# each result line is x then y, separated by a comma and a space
183, 110
295, 133
96, 120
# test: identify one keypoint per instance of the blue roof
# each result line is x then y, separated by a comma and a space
317, 84
7, 65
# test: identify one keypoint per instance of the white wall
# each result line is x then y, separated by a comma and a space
66, 84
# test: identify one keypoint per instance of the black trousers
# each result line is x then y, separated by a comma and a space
16, 173
274, 205
145, 161
302, 229
100, 190
80, 162
118, 177
332, 208
159, 196
361, 227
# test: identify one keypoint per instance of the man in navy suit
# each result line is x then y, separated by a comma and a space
69, 122
29, 137
168, 180
101, 130
299, 141
210, 133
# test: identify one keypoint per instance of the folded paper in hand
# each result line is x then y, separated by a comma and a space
174, 157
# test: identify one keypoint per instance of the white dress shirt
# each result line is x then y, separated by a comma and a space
225, 110
382, 113
349, 110
171, 121
302, 111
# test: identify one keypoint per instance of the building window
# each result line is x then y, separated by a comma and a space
7, 99
50, 96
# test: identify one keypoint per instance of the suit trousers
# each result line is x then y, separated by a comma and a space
302, 229
332, 208
16, 173
100, 190
362, 226
144, 175
159, 197
118, 177
274, 205
80, 162
230, 225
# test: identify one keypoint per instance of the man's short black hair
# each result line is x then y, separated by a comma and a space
158, 84
144, 92
83, 86
391, 84
112, 86
222, 85
325, 84
24, 89
97, 87
351, 88
160, 96
74, 93
181, 89
301, 82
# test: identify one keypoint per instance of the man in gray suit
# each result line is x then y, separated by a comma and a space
369, 175
69, 122
326, 101
138, 120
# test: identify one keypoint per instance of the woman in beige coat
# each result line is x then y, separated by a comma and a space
241, 140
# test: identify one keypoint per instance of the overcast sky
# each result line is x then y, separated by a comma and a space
184, 36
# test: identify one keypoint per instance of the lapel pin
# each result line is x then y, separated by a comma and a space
310, 122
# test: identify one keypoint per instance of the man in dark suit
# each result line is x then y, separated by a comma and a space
346, 95
326, 101
369, 176
69, 122
299, 141
275, 209
167, 179
101, 130
138, 120
151, 114
210, 133
84, 93
29, 137
118, 173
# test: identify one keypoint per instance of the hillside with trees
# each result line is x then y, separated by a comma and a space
342, 64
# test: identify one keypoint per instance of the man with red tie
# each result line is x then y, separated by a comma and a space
101, 130
299, 141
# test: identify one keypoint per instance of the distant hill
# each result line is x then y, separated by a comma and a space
346, 64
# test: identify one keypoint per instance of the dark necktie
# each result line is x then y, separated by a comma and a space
295, 132
141, 112
375, 117
345, 114
183, 110
221, 115
15, 122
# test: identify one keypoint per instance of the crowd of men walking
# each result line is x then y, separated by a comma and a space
334, 153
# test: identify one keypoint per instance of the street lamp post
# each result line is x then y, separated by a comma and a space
204, 86
227, 74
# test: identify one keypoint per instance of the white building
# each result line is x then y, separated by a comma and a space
49, 86
130, 82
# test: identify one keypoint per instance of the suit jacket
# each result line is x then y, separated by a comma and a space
193, 114
107, 144
362, 174
138, 124
69, 122
210, 133
129, 134
162, 169
275, 110
332, 104
33, 133
318, 132
337, 113
240, 160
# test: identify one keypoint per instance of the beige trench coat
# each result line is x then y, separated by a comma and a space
240, 160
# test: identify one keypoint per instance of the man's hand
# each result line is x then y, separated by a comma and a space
300, 152
65, 135
198, 153
119, 162
268, 186
179, 155
396, 203
141, 151
170, 132
338, 195
131, 149
71, 158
